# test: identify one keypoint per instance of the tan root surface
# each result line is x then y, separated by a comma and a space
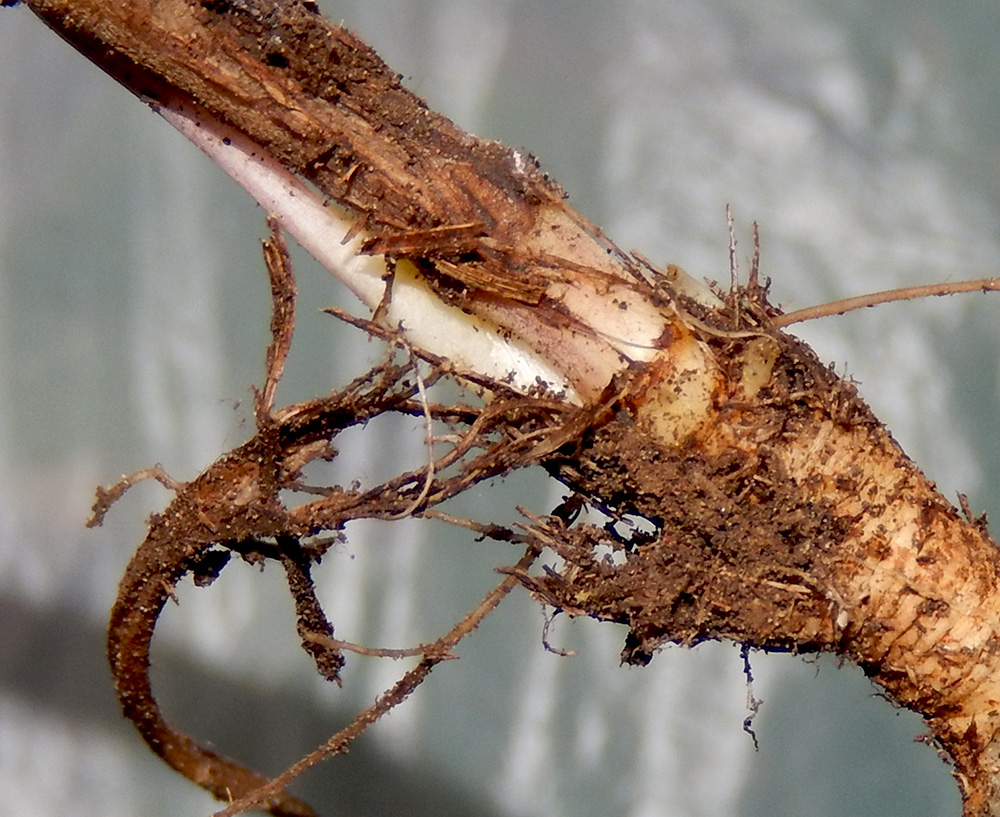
782, 513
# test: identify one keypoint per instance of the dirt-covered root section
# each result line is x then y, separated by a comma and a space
254, 502
791, 521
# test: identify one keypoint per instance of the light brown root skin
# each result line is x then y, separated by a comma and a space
788, 518
793, 522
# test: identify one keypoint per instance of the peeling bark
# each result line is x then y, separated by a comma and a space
784, 515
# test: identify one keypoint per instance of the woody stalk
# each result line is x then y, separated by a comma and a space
785, 515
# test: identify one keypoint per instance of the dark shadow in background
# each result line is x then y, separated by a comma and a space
54, 659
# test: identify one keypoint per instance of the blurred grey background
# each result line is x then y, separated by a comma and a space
862, 136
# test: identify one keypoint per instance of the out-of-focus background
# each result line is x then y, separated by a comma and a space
863, 137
